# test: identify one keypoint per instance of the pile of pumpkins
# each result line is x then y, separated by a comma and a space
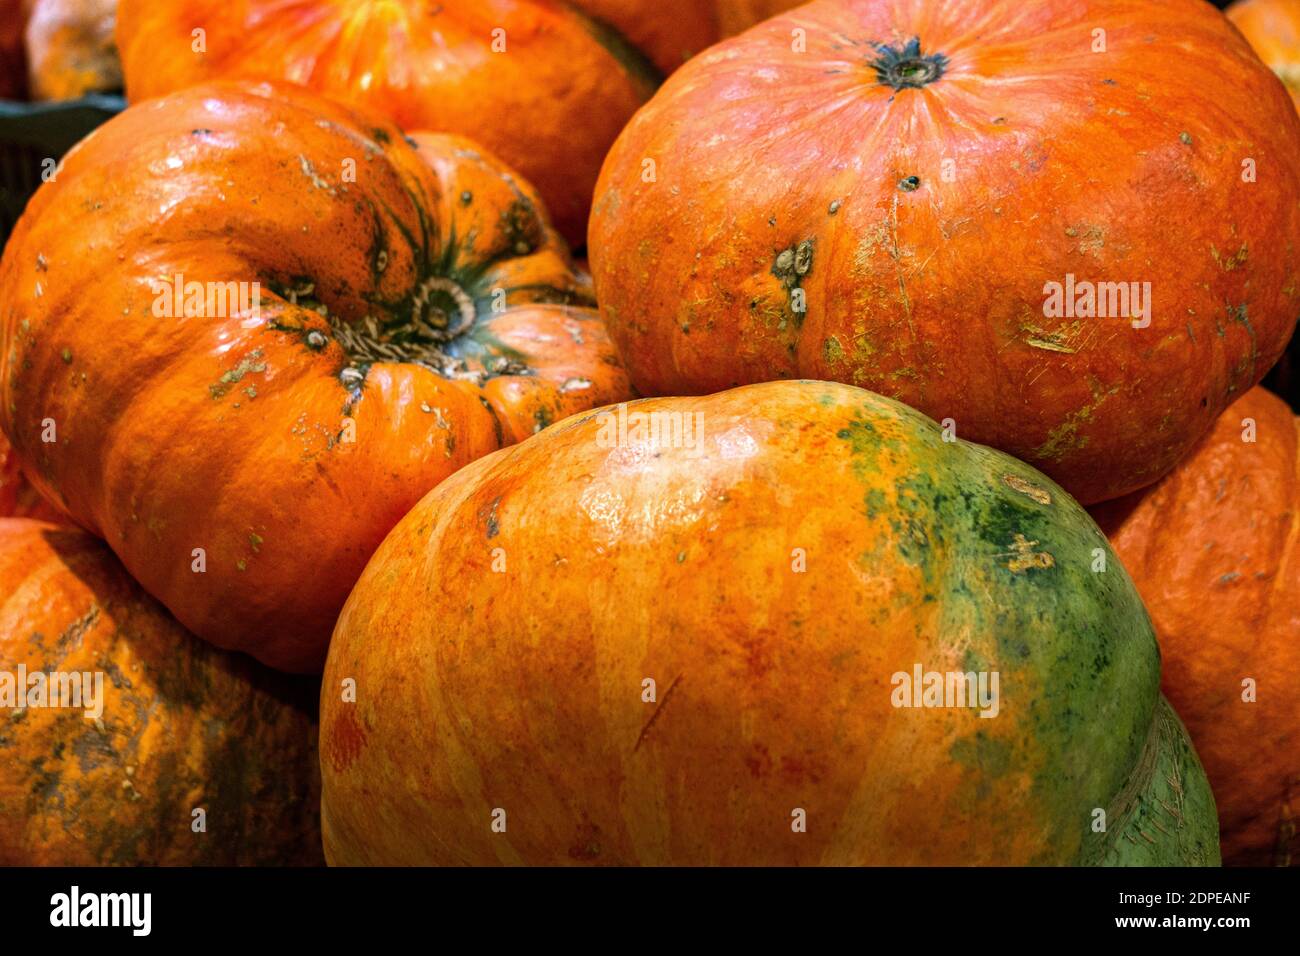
673, 554
52, 50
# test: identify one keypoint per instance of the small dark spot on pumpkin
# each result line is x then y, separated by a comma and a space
520, 227
799, 770
1110, 82
466, 197
759, 762
835, 207
316, 340
200, 132
411, 142
999, 120
771, 221
1204, 401
381, 135
94, 750
909, 184
115, 675
492, 522
586, 845
1186, 138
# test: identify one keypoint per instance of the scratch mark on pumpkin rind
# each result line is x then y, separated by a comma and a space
659, 709
1027, 488
1049, 346
1065, 437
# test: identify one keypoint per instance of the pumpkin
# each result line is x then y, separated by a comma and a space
1212, 549
1272, 28
545, 86
1079, 257
116, 726
13, 65
17, 497
685, 631
246, 329
736, 16
70, 49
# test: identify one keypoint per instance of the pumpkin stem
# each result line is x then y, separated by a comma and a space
906, 66
442, 310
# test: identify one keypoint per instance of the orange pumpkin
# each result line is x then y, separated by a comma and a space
1213, 551
1273, 28
13, 62
163, 725
18, 499
969, 207
672, 632
546, 86
70, 49
245, 329
735, 16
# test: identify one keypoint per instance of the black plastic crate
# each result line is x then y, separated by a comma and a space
31, 133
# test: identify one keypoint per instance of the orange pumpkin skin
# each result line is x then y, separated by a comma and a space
670, 32
1213, 551
70, 49
183, 726
409, 322
550, 104
13, 61
1273, 28
736, 16
18, 499
917, 228
769, 575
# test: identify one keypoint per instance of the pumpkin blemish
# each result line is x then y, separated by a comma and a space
1024, 557
345, 740
491, 522
659, 709
251, 364
1028, 489
791, 266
